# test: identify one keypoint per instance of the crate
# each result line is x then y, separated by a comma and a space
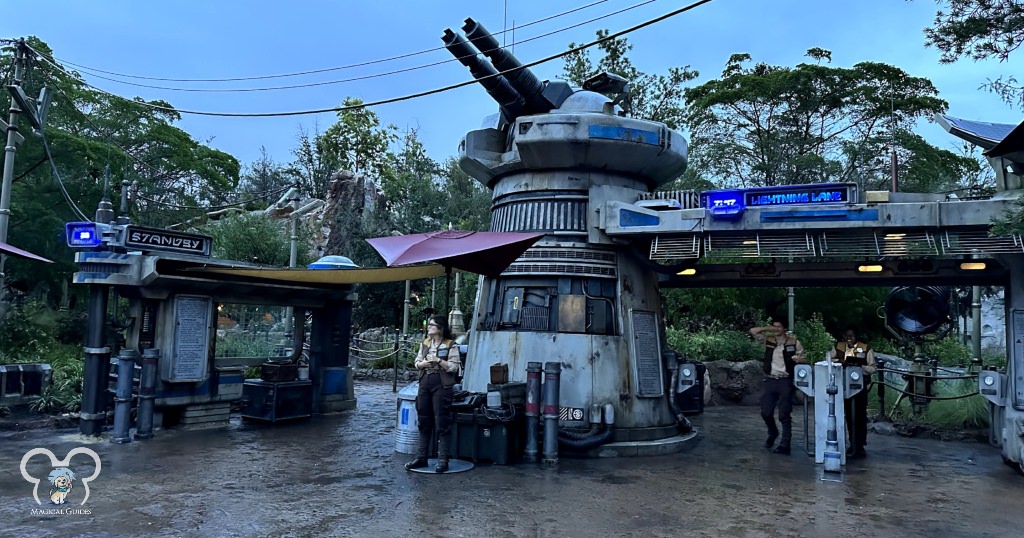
477, 438
272, 401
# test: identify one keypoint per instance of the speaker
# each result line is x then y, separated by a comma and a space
917, 310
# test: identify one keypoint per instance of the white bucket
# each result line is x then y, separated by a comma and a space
407, 436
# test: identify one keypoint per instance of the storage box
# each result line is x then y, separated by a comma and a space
274, 401
499, 374
477, 438
278, 371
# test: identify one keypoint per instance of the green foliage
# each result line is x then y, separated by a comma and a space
65, 390
773, 125
258, 238
246, 344
968, 410
950, 351
714, 343
1012, 221
652, 97
815, 338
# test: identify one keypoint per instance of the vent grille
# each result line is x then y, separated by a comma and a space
107, 268
760, 246
686, 199
980, 241
562, 254
674, 248
535, 317
560, 269
889, 244
540, 215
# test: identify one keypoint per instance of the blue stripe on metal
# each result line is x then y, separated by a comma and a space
629, 219
819, 215
622, 133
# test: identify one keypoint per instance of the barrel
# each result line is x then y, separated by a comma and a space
407, 436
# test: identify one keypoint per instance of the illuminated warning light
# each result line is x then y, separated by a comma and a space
869, 268
972, 266
687, 272
83, 234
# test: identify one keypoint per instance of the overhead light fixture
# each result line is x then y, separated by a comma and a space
972, 266
687, 272
750, 242
869, 268
889, 237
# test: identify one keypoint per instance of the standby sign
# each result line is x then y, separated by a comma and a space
157, 239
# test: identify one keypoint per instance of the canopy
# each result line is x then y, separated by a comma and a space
9, 249
485, 253
333, 276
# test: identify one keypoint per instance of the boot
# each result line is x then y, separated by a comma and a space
421, 454
442, 454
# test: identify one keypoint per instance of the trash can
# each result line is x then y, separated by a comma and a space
407, 434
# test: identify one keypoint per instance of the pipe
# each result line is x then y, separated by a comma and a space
833, 457
521, 78
93, 415
147, 393
497, 86
595, 440
595, 426
681, 421
532, 410
123, 398
552, 374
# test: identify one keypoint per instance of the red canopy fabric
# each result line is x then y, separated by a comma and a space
485, 253
23, 253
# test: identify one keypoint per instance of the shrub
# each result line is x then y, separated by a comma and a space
713, 343
814, 337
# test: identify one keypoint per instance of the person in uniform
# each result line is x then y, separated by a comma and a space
782, 351
438, 362
851, 351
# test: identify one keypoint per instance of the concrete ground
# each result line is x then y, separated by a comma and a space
339, 476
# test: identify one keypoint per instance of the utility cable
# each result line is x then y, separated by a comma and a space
354, 79
324, 70
406, 97
60, 183
215, 207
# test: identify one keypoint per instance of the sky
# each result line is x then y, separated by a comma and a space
216, 39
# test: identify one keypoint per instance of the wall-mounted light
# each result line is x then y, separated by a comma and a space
891, 237
972, 266
869, 268
687, 272
750, 242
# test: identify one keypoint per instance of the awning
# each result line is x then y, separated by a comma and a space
374, 275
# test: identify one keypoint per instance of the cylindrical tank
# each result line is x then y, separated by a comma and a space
407, 435
575, 297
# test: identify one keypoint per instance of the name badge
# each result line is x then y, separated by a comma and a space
442, 353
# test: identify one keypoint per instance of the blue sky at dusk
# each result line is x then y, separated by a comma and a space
220, 39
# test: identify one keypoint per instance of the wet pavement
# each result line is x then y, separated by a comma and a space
339, 476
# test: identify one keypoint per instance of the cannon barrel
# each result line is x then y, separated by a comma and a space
497, 86
521, 78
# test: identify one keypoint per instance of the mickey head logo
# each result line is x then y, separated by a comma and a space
65, 478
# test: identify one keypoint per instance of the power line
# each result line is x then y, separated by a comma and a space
214, 207
60, 182
324, 70
407, 97
356, 79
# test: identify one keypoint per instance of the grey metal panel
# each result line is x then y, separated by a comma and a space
968, 242
646, 351
572, 313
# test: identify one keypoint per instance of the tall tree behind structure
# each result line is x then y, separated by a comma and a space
765, 124
981, 30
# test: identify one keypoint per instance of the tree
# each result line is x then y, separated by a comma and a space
652, 97
263, 180
766, 125
980, 29
356, 142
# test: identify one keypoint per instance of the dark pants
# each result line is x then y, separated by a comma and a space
433, 407
857, 420
778, 392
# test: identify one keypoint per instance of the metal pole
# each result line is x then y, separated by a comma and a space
976, 322
147, 393
123, 398
394, 381
405, 313
293, 253
93, 415
532, 410
792, 315
9, 151
552, 374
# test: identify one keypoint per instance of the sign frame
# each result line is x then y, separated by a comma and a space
145, 238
